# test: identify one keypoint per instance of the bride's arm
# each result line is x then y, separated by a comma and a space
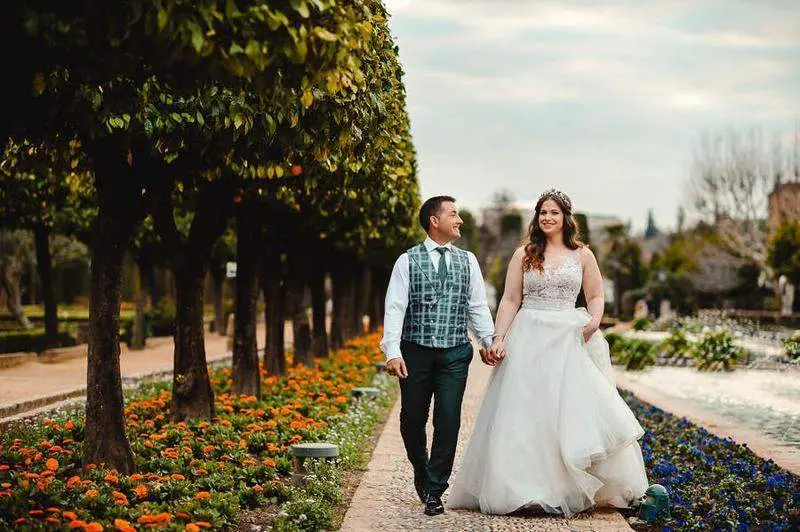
593, 291
509, 305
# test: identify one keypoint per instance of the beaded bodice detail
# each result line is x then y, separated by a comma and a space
555, 288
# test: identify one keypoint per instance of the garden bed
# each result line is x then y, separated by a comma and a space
199, 474
714, 483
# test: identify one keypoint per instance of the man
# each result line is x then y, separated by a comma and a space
436, 289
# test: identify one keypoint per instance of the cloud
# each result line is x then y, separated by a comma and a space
612, 91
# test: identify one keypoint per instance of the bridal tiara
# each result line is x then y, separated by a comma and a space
555, 193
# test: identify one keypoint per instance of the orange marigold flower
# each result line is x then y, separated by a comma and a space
52, 520
178, 476
140, 491
77, 523
123, 525
75, 479
268, 462
69, 425
191, 527
202, 496
258, 488
51, 464
92, 493
4, 467
36, 513
111, 478
203, 524
70, 515
93, 527
20, 521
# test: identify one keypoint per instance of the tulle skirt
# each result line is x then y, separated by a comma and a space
552, 430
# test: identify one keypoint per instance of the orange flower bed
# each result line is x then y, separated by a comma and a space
191, 475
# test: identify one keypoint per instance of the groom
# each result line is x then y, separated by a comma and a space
435, 290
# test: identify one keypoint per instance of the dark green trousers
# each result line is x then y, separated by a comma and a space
441, 374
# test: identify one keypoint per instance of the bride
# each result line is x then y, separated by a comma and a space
552, 431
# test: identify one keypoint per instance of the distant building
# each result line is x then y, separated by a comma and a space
784, 205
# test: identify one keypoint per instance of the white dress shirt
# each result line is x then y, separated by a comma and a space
480, 319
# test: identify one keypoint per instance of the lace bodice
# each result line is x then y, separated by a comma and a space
557, 287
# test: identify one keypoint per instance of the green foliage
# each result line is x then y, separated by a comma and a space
632, 353
642, 324
716, 351
583, 228
783, 253
469, 232
676, 345
32, 341
511, 224
792, 346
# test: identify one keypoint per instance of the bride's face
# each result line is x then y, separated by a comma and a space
551, 219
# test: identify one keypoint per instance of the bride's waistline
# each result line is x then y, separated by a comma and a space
539, 303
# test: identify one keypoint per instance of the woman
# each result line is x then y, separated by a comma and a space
552, 432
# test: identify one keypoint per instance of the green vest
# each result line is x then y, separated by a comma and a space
437, 315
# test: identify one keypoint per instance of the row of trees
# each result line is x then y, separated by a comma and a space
163, 125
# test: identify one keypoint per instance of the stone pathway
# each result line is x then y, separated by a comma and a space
35, 379
385, 500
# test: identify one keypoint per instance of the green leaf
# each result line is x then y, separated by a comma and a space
325, 35
307, 99
200, 119
301, 7
162, 19
238, 120
198, 40
235, 49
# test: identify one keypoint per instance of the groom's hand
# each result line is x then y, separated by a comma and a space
397, 367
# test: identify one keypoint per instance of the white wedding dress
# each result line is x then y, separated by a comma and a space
552, 430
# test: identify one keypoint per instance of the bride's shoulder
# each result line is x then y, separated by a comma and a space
586, 255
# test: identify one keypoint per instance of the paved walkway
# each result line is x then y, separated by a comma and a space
34, 379
385, 500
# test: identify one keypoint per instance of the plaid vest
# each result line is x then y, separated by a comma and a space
437, 315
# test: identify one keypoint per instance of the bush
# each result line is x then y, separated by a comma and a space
716, 351
642, 324
633, 354
32, 340
676, 345
792, 346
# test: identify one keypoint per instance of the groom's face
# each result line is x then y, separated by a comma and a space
447, 223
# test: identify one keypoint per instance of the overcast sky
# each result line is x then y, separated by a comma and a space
602, 99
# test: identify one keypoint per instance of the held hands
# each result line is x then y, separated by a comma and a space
493, 355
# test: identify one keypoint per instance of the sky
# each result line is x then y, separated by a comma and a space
605, 100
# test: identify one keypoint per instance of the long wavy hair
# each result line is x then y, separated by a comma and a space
536, 241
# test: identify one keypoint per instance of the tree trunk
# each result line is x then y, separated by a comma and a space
138, 335
338, 317
378, 284
301, 329
44, 263
218, 280
192, 397
275, 298
105, 440
12, 295
319, 341
246, 375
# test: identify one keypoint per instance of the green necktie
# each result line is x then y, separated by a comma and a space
442, 264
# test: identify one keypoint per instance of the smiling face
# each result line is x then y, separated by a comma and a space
551, 218
446, 225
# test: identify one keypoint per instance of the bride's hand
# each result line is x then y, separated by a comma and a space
588, 331
498, 351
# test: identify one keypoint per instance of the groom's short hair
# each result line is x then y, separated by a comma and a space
431, 207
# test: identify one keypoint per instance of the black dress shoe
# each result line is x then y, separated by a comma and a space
421, 484
433, 504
